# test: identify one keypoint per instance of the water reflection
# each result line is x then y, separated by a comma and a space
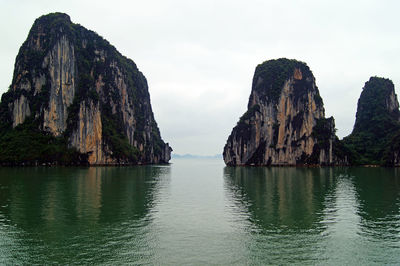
322, 215
251, 216
377, 191
286, 208
378, 194
281, 197
56, 210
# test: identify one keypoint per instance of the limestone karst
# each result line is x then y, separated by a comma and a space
75, 98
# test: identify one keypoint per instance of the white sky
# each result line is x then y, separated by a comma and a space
199, 56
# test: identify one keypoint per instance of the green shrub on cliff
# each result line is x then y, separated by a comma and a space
270, 76
27, 145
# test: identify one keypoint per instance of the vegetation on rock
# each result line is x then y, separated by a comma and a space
27, 145
270, 76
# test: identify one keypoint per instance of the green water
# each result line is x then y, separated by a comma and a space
199, 213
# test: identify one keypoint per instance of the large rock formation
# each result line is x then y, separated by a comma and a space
73, 87
285, 122
375, 138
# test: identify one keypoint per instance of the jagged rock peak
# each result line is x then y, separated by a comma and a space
285, 122
73, 85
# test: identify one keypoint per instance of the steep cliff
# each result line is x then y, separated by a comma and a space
72, 87
373, 139
285, 122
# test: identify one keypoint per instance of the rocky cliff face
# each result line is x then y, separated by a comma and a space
74, 85
285, 122
61, 65
375, 134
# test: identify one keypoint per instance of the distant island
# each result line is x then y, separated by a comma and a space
74, 99
194, 156
285, 123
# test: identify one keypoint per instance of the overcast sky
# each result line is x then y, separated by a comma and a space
199, 56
